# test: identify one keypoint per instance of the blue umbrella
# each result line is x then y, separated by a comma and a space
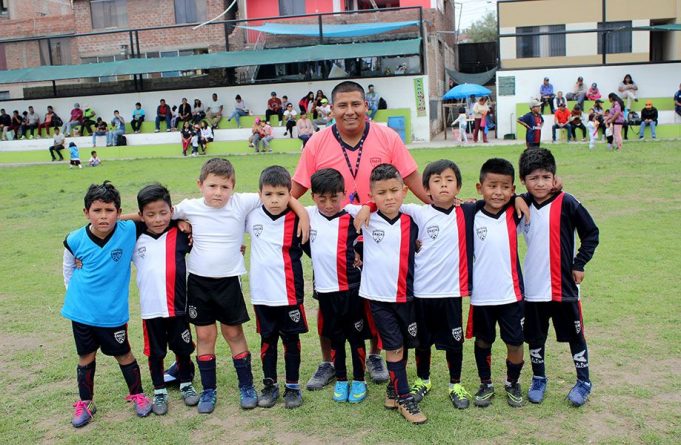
466, 90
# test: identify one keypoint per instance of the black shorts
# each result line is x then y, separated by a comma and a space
482, 322
342, 315
396, 325
282, 320
215, 299
439, 322
112, 341
566, 316
161, 333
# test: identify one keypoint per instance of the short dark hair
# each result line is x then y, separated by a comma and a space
93, 152
437, 167
137, 103
383, 172
105, 192
275, 176
347, 86
327, 180
218, 167
497, 166
536, 159
152, 193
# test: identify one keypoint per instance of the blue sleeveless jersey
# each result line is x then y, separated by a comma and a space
97, 294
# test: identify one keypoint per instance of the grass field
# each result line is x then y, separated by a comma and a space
631, 307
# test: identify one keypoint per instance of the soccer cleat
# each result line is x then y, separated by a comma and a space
293, 398
409, 408
269, 394
142, 404
514, 395
377, 369
83, 413
189, 395
459, 396
390, 397
160, 404
207, 401
248, 397
537, 389
324, 375
358, 392
340, 391
484, 396
420, 388
579, 393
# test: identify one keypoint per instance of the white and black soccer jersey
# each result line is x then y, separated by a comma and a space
441, 268
332, 251
276, 275
388, 259
162, 272
497, 278
551, 256
217, 234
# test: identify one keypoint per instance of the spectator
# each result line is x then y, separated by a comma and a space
532, 121
290, 118
593, 92
240, 110
94, 160
198, 113
255, 133
306, 104
75, 156
137, 118
578, 93
117, 129
323, 114
100, 130
186, 133
175, 116
267, 137
214, 111
274, 107
372, 101
576, 122
649, 118
561, 119
677, 101
317, 103
76, 118
285, 102
196, 134
5, 123
479, 109
24, 123
546, 95
88, 121
16, 124
57, 144
560, 99
616, 118
592, 129
205, 137
305, 128
184, 111
48, 122
628, 90
162, 113
32, 122
462, 122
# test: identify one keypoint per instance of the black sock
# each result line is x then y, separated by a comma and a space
454, 363
423, 363
359, 356
580, 356
156, 370
398, 378
338, 359
242, 365
537, 360
185, 368
86, 380
207, 366
513, 371
483, 358
133, 377
268, 357
292, 357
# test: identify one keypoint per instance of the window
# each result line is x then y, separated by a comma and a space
100, 59
549, 45
3, 58
617, 37
61, 52
357, 5
4, 8
291, 7
190, 11
4, 95
109, 13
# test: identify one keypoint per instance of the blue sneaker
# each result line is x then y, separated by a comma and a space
358, 392
207, 401
579, 393
248, 397
537, 389
340, 391
83, 414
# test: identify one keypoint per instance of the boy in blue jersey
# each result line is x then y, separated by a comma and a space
96, 298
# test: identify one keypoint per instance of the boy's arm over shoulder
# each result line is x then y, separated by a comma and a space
248, 201
586, 229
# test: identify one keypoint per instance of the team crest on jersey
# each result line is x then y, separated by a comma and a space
412, 329
192, 312
481, 232
313, 235
359, 325
526, 227
433, 231
186, 336
456, 333
578, 326
294, 315
119, 336
141, 251
375, 161
378, 235
116, 254
257, 230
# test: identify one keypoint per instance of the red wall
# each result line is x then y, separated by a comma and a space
424, 3
318, 6
262, 8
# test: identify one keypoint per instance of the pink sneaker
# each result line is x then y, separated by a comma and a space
83, 414
142, 404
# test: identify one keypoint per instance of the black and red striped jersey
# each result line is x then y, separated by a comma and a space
162, 272
551, 248
276, 272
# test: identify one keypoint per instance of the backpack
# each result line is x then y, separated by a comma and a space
634, 118
382, 104
56, 121
121, 140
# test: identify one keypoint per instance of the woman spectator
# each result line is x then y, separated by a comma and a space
628, 90
593, 92
198, 113
184, 111
240, 110
306, 104
480, 110
305, 128
578, 93
616, 117
290, 119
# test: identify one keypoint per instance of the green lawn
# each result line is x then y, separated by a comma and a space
630, 303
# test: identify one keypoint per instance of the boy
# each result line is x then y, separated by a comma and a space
96, 298
532, 121
75, 156
277, 285
94, 160
336, 282
497, 293
554, 270
161, 278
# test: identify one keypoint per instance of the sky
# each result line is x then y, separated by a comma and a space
472, 10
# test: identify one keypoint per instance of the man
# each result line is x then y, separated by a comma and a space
214, 112
372, 101
32, 123
561, 121
354, 147
162, 114
75, 119
546, 94
274, 107
677, 101
649, 118
5, 123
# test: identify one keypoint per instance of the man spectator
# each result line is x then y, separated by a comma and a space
32, 122
117, 129
677, 101
578, 92
184, 111
48, 122
75, 119
162, 113
88, 121
372, 101
546, 94
649, 118
576, 122
137, 118
5, 123
561, 120
285, 102
323, 114
214, 111
274, 107
101, 129
57, 145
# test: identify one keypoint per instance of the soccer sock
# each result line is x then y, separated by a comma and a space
292, 357
268, 357
580, 355
242, 365
483, 358
207, 366
454, 363
513, 371
359, 356
156, 370
185, 368
133, 377
537, 359
338, 358
423, 363
86, 380
398, 378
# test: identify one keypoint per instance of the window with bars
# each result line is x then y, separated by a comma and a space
190, 11
617, 37
548, 45
109, 13
291, 7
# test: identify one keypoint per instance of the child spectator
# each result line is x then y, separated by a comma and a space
186, 135
175, 116
137, 118
554, 269
75, 156
290, 118
462, 122
608, 128
205, 137
592, 129
532, 121
57, 144
196, 134
96, 298
94, 160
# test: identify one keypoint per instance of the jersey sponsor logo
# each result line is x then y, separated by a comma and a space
141, 251
187, 336
457, 334
412, 329
580, 360
375, 161
257, 230
192, 312
120, 336
313, 235
378, 235
481, 232
578, 326
359, 325
433, 231
294, 315
535, 356
116, 254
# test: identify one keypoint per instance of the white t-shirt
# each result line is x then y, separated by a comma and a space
290, 114
215, 106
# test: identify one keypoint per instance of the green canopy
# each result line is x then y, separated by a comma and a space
667, 27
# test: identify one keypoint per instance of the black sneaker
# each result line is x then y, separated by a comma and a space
293, 398
269, 394
377, 369
514, 395
484, 396
324, 375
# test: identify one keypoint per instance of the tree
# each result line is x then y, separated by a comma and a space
484, 29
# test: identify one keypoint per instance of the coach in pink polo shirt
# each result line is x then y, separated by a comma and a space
353, 146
